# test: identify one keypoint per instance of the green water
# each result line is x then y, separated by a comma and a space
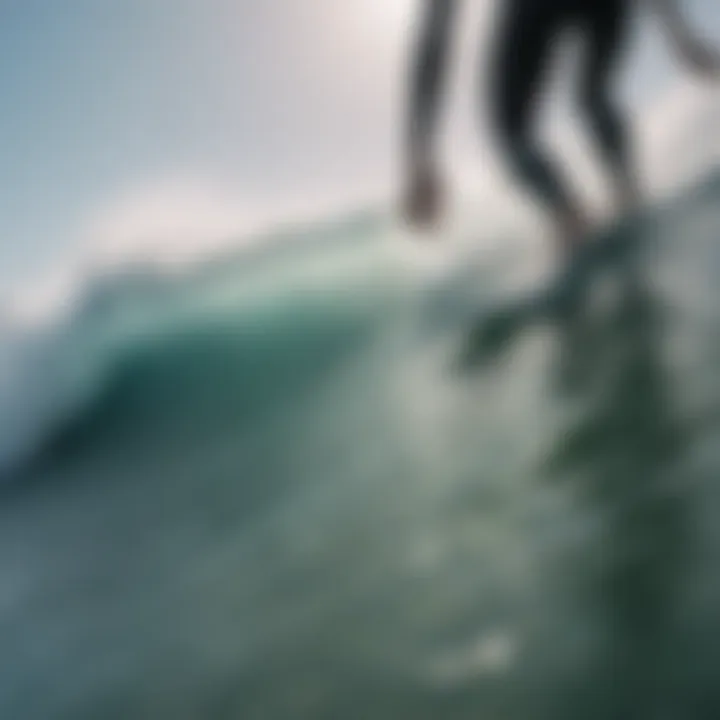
306, 507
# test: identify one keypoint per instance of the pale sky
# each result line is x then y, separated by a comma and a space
149, 123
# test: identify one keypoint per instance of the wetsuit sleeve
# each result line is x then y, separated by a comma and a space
428, 73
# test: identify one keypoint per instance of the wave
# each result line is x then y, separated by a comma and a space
222, 341
238, 338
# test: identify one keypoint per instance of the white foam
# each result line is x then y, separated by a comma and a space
493, 653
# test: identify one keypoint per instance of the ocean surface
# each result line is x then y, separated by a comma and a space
306, 482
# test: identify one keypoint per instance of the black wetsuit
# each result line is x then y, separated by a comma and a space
525, 40
523, 45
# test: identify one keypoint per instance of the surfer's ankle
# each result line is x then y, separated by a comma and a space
628, 197
572, 230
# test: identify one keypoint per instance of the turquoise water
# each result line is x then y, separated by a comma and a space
271, 487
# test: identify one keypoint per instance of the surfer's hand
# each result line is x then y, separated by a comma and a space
702, 58
423, 203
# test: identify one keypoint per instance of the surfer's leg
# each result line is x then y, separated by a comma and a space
525, 42
605, 27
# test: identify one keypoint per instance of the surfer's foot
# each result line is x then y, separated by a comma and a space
628, 197
573, 229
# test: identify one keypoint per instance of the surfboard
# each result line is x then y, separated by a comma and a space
615, 249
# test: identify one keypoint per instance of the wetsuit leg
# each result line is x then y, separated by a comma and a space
524, 43
604, 25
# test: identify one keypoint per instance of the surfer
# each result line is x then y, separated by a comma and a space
523, 43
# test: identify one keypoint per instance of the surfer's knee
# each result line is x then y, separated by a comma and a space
524, 157
516, 141
605, 118
528, 163
523, 153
